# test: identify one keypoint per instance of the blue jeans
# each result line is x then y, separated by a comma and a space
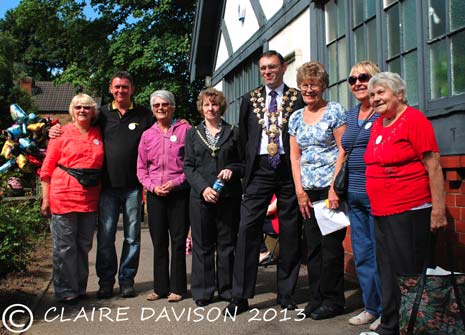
364, 247
111, 200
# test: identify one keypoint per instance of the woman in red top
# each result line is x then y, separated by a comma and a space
73, 207
404, 183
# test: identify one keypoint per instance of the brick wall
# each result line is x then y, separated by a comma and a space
454, 187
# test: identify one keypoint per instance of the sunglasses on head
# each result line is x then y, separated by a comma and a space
362, 77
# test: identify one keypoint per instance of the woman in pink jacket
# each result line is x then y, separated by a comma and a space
159, 169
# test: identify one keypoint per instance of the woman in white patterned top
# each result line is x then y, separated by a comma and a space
316, 156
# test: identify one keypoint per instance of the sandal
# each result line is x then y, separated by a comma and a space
153, 296
361, 319
173, 297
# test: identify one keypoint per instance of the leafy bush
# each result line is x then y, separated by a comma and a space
20, 225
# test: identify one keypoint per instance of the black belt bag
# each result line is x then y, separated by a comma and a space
86, 177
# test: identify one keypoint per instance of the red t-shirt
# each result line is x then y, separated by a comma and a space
397, 180
74, 150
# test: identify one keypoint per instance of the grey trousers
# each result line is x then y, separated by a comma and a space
72, 235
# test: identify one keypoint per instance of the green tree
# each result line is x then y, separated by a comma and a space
153, 43
148, 38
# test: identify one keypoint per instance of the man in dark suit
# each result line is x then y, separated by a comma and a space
264, 142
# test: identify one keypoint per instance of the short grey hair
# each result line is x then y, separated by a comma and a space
391, 81
165, 95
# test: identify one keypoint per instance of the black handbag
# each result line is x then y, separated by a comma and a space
86, 177
341, 181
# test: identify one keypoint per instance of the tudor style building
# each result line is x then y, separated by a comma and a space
422, 40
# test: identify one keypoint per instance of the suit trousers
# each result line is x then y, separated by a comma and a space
401, 248
325, 260
214, 230
168, 220
265, 182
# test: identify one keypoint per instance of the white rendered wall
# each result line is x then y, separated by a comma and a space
240, 31
294, 38
222, 53
270, 7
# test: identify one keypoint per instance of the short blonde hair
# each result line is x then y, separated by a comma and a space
83, 99
214, 95
313, 70
366, 66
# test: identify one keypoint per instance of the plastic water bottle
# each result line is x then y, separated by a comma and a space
218, 185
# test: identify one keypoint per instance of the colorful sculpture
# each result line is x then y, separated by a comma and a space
25, 141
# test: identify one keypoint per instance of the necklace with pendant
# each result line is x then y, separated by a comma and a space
259, 108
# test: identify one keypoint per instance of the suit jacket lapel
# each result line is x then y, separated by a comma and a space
226, 133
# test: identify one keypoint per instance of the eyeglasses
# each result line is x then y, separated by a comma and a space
306, 87
269, 67
362, 77
163, 104
83, 107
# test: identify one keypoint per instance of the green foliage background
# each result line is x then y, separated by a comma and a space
54, 40
20, 225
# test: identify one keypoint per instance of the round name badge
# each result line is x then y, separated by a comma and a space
379, 139
132, 126
324, 125
173, 138
368, 125
96, 142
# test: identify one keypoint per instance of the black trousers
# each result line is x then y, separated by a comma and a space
168, 220
265, 182
214, 230
325, 260
401, 248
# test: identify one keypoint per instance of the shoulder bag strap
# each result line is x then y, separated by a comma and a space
359, 130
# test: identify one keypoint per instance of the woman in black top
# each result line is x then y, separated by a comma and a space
211, 152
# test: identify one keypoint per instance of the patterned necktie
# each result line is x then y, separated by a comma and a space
273, 140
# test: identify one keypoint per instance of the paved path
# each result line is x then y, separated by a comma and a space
138, 316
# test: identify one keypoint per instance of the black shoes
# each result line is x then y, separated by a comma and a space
70, 301
326, 312
286, 302
127, 291
291, 306
236, 306
309, 309
202, 302
105, 292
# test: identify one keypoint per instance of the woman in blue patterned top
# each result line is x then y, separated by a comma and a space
359, 121
316, 155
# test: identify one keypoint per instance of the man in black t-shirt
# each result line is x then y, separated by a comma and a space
122, 123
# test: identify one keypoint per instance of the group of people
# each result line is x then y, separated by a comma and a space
219, 180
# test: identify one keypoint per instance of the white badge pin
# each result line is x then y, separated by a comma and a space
368, 125
324, 125
96, 142
379, 139
132, 126
173, 138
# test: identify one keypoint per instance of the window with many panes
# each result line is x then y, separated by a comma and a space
238, 83
364, 30
401, 30
446, 47
336, 43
